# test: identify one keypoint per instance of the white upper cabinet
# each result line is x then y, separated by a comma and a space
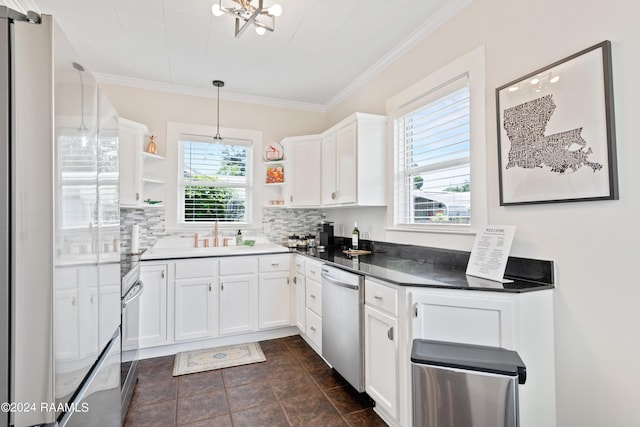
137, 179
353, 162
304, 170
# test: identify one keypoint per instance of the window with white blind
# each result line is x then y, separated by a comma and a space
215, 180
433, 154
439, 160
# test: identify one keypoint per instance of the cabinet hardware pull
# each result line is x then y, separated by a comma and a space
73, 301
221, 286
378, 297
312, 328
312, 296
275, 264
291, 198
288, 281
137, 196
295, 280
415, 309
162, 274
209, 287
390, 333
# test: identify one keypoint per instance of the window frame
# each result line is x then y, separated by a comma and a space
472, 65
175, 218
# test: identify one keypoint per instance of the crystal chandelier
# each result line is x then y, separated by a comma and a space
246, 14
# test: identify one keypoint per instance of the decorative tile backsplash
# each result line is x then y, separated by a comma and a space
151, 222
279, 223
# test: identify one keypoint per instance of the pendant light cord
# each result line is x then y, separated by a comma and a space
218, 84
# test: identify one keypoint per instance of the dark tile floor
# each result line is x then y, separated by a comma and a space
293, 387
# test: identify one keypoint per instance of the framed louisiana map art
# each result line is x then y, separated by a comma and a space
556, 135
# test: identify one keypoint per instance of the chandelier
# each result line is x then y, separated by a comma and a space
246, 14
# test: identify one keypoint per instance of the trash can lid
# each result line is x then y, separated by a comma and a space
470, 357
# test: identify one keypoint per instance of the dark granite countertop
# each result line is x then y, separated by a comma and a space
437, 268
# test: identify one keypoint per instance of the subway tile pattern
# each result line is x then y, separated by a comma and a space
152, 226
279, 223
293, 387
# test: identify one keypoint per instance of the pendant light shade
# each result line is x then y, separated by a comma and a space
218, 84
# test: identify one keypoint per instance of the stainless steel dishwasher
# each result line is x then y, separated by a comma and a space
342, 323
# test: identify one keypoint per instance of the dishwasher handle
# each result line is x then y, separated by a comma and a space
331, 280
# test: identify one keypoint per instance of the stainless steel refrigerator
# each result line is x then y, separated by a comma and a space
59, 233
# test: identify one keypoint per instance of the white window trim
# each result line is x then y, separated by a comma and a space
174, 131
471, 64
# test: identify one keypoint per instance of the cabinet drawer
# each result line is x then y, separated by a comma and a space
238, 265
314, 296
270, 263
314, 328
299, 264
196, 268
381, 296
313, 270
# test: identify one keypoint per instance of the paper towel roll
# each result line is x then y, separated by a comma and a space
135, 238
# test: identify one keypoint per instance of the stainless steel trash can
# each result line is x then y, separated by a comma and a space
463, 385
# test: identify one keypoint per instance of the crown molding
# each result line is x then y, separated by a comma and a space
206, 93
429, 26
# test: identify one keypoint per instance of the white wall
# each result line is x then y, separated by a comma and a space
594, 244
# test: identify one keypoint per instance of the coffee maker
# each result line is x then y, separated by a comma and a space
325, 231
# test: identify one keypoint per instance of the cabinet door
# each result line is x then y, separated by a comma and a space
381, 359
346, 164
329, 188
464, 316
131, 140
195, 309
236, 306
305, 172
153, 306
300, 302
274, 299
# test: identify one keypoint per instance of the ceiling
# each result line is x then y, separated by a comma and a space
320, 51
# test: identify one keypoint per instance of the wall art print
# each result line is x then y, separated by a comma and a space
556, 133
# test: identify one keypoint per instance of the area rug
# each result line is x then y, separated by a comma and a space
189, 362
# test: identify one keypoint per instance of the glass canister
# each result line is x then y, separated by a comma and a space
302, 243
311, 241
292, 241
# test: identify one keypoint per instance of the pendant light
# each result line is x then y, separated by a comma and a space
218, 84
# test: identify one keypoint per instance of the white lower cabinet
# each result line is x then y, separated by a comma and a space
274, 298
516, 321
153, 306
275, 292
299, 281
381, 347
195, 299
195, 304
237, 307
381, 359
314, 330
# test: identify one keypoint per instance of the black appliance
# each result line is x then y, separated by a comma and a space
325, 233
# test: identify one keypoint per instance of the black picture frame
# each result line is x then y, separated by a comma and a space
556, 132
